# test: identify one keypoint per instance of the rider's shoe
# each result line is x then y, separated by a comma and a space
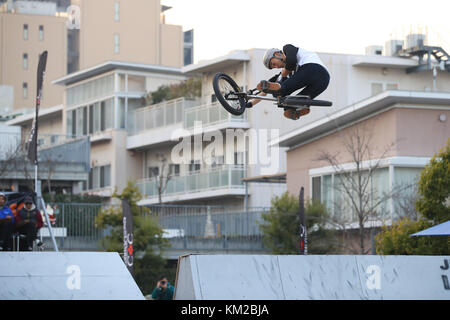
296, 114
269, 87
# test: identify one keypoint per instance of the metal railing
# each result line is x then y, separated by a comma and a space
159, 115
222, 177
210, 114
186, 227
183, 110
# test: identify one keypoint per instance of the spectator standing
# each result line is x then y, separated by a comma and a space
6, 224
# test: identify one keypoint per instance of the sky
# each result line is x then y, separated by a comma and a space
335, 26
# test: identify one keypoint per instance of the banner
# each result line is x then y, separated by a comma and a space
32, 142
302, 219
128, 250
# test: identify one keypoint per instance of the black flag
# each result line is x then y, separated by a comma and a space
32, 142
302, 219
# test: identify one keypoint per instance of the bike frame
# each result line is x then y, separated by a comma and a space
254, 95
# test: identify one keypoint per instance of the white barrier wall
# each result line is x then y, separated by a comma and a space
270, 277
65, 276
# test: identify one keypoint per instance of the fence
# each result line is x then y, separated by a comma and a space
186, 227
222, 177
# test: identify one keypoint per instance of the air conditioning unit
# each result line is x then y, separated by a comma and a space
415, 40
392, 47
374, 50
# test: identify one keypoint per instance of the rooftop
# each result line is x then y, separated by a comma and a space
113, 65
358, 111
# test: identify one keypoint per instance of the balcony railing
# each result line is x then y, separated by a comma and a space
209, 114
183, 111
223, 177
159, 115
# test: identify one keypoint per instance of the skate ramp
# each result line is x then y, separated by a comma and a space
270, 277
65, 276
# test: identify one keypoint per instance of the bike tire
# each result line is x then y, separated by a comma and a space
236, 106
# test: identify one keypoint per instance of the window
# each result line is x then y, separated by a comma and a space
188, 56
188, 47
153, 172
105, 176
25, 32
194, 166
81, 124
71, 123
174, 169
189, 37
316, 188
238, 158
91, 119
116, 43
25, 90
122, 113
41, 33
25, 61
116, 11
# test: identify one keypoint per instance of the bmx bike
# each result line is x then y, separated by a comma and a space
233, 99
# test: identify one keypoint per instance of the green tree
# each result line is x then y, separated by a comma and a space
434, 187
148, 242
190, 88
281, 227
396, 240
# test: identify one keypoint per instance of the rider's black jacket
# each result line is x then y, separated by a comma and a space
290, 52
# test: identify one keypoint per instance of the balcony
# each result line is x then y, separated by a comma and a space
61, 157
217, 182
155, 124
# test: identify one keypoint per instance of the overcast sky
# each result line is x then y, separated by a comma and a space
339, 26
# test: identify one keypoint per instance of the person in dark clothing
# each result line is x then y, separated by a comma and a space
6, 224
28, 222
301, 69
164, 290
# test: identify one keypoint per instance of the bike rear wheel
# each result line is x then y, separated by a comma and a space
226, 92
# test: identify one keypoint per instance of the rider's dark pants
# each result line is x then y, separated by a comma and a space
6, 230
312, 77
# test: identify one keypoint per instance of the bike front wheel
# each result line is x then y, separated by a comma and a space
226, 91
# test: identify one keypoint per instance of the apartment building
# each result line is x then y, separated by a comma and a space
80, 34
132, 30
99, 102
28, 28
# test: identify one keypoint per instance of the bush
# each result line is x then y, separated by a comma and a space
281, 227
396, 240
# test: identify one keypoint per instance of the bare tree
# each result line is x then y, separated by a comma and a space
163, 177
360, 201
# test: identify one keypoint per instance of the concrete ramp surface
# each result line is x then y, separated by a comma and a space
65, 276
284, 277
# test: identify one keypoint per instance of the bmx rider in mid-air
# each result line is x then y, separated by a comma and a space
300, 69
